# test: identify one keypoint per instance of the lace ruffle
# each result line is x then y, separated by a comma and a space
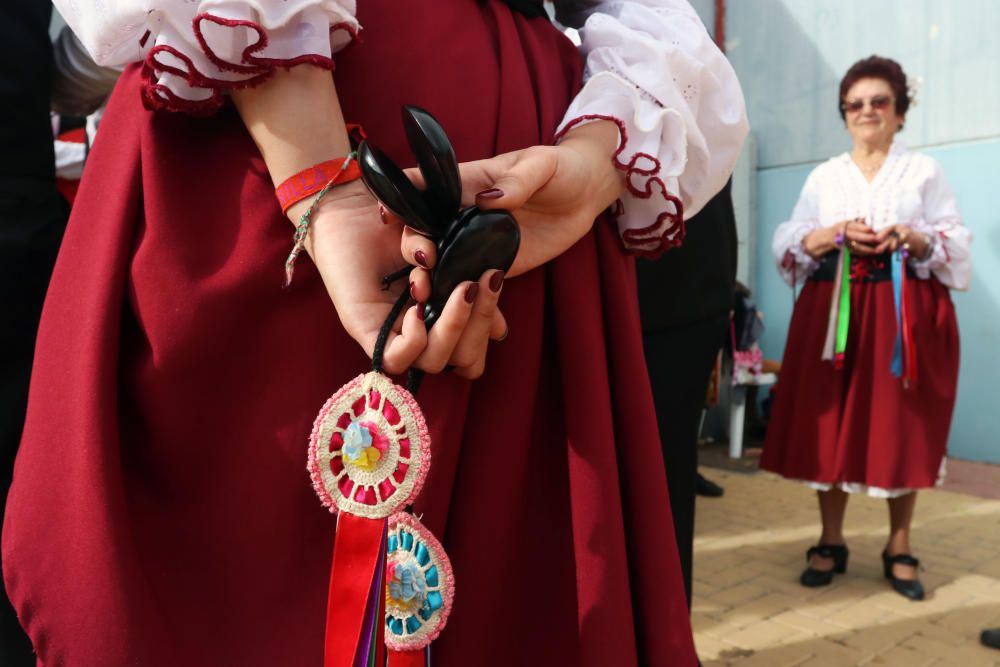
194, 50
654, 71
192, 54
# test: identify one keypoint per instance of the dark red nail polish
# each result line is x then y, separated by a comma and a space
496, 281
413, 289
492, 193
421, 258
420, 311
471, 292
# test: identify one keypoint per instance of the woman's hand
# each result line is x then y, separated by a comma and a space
353, 249
554, 193
295, 119
901, 236
858, 237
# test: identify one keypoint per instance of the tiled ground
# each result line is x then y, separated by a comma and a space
749, 609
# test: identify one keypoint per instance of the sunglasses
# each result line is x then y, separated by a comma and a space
878, 103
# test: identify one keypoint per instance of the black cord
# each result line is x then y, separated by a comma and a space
414, 377
395, 275
383, 333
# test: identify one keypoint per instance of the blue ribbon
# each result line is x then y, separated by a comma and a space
898, 266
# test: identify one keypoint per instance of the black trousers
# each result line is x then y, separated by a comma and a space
680, 363
31, 227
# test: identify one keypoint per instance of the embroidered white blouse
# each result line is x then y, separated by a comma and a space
910, 188
651, 68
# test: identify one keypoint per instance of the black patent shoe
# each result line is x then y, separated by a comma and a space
707, 488
814, 578
908, 588
991, 638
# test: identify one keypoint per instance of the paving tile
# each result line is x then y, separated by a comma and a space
900, 657
875, 640
763, 635
709, 647
782, 656
831, 654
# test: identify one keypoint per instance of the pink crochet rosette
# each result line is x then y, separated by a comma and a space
370, 448
420, 585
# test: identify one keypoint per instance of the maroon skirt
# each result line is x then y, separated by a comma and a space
859, 424
161, 512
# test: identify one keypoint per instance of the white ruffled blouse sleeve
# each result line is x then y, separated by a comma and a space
192, 50
950, 258
794, 263
652, 68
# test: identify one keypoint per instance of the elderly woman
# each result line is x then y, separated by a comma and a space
871, 364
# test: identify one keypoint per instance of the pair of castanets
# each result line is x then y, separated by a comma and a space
469, 241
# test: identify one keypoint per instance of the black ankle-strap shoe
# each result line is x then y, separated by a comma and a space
908, 588
814, 578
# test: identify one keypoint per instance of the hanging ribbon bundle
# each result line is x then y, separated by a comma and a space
839, 320
904, 364
391, 583
368, 457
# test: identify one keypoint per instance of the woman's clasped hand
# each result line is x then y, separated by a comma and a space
554, 193
863, 240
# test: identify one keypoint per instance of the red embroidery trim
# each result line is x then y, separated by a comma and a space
944, 246
668, 230
246, 56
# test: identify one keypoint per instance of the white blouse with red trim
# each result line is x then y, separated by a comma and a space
910, 188
195, 50
651, 68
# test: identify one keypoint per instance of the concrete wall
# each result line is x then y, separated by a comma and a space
790, 55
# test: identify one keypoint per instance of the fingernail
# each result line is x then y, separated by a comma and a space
492, 193
420, 311
381, 214
504, 336
413, 288
421, 258
496, 281
471, 292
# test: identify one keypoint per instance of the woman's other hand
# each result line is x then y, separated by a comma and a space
554, 193
900, 236
353, 250
855, 234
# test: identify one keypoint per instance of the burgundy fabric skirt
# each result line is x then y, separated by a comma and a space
161, 512
859, 424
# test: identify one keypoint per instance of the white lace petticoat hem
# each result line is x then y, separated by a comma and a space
873, 491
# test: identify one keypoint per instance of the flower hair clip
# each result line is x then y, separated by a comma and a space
913, 86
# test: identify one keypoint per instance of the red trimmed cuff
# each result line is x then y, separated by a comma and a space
642, 182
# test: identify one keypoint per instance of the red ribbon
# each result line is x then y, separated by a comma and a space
356, 551
407, 658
